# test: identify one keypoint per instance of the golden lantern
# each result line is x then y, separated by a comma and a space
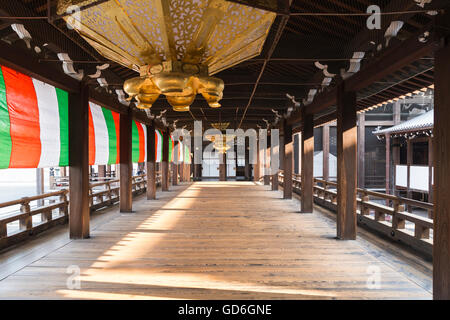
175, 46
220, 141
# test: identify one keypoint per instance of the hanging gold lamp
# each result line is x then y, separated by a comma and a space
175, 46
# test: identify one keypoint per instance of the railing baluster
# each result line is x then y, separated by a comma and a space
3, 230
397, 222
365, 211
421, 232
25, 223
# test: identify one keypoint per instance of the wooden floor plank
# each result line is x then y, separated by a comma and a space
213, 240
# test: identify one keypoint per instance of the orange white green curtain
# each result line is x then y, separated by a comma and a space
33, 122
34, 127
104, 136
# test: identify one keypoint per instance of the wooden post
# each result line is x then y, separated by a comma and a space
267, 163
175, 164
40, 185
388, 165
287, 160
346, 164
180, 172
257, 166
151, 163
197, 172
430, 174
409, 161
126, 164
79, 163
274, 160
165, 162
326, 152
102, 171
361, 149
248, 173
441, 159
307, 172
223, 167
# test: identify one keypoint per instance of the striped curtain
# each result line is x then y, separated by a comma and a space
34, 127
34, 131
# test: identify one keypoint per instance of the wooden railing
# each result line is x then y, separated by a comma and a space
29, 216
381, 212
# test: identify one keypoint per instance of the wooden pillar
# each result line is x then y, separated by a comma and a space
257, 166
102, 171
151, 163
361, 149
248, 172
409, 162
307, 171
197, 172
287, 160
180, 172
388, 163
79, 163
430, 174
267, 163
223, 167
165, 162
395, 144
441, 159
40, 189
175, 164
274, 160
346, 164
126, 164
326, 151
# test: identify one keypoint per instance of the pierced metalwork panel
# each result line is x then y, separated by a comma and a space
135, 33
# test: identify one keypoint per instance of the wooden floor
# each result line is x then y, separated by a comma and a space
208, 240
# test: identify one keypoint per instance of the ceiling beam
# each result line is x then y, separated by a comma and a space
284, 19
390, 60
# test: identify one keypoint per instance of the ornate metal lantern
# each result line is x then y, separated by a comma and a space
175, 45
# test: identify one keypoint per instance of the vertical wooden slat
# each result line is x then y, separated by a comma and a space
151, 163
165, 162
346, 164
441, 157
126, 164
287, 160
79, 163
307, 171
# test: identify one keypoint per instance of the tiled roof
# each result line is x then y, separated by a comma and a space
422, 122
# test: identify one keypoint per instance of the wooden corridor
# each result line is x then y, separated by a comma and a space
208, 240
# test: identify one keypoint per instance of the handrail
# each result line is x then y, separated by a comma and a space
32, 198
21, 224
390, 218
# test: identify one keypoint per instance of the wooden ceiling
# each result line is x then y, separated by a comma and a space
304, 32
